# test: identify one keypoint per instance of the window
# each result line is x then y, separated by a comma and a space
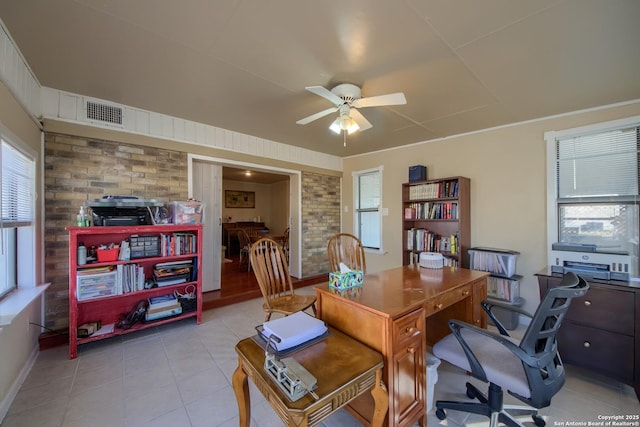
16, 222
595, 194
368, 197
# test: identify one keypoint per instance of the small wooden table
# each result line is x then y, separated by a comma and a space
344, 368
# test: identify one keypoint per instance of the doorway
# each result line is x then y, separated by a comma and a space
207, 178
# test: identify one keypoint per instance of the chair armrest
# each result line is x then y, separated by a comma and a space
456, 327
488, 308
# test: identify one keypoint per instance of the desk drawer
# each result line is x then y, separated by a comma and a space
607, 309
605, 352
407, 328
434, 305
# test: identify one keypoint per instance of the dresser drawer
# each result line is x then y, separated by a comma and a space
434, 305
407, 328
608, 309
606, 352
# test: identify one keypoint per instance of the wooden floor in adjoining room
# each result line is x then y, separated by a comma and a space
238, 284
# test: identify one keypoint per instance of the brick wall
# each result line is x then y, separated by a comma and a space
320, 220
79, 169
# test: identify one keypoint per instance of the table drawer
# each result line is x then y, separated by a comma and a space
434, 305
407, 328
606, 352
608, 309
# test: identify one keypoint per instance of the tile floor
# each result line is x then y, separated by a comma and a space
180, 375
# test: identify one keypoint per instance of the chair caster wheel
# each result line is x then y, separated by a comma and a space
538, 420
441, 414
470, 394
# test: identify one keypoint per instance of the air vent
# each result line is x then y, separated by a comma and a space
104, 113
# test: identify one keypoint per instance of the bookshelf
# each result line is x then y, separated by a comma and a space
104, 288
436, 218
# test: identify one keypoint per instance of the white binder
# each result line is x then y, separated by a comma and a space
294, 329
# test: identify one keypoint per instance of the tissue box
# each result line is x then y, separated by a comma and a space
346, 280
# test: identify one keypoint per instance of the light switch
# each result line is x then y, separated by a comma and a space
384, 211
346, 209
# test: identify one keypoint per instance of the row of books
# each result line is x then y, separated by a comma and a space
414, 258
434, 190
178, 244
129, 278
423, 240
431, 210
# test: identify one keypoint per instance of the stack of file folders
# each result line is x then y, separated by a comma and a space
172, 273
162, 306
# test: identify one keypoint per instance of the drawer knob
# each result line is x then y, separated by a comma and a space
465, 293
587, 303
411, 350
438, 306
410, 330
586, 344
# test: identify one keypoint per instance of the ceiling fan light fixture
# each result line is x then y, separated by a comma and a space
344, 123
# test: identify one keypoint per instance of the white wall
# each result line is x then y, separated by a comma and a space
19, 340
507, 168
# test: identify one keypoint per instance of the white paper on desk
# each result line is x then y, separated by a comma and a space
294, 329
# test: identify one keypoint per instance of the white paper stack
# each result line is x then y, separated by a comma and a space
294, 329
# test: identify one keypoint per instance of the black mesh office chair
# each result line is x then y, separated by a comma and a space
529, 369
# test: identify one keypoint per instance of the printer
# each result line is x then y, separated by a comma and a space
121, 210
583, 259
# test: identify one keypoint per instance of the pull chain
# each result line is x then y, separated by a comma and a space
344, 133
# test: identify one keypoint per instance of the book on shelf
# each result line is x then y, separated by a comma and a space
162, 301
175, 280
167, 312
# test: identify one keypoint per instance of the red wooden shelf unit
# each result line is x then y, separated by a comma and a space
105, 298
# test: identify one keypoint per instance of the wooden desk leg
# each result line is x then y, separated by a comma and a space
380, 399
241, 390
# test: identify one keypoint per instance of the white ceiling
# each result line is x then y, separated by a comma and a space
243, 65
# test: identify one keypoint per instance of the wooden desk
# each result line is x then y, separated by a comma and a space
397, 313
344, 368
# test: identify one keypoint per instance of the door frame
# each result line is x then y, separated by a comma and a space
295, 200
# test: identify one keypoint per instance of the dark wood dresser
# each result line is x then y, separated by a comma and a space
601, 331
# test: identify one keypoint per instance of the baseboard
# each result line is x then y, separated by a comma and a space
53, 339
5, 404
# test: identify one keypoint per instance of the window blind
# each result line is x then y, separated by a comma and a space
600, 166
17, 180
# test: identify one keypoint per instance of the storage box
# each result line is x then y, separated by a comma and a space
505, 289
144, 246
499, 262
347, 280
107, 255
190, 212
508, 318
95, 285
417, 173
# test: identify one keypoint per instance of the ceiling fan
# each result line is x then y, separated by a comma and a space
347, 98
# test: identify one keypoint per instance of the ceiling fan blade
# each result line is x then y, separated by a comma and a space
316, 116
325, 93
360, 119
380, 100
